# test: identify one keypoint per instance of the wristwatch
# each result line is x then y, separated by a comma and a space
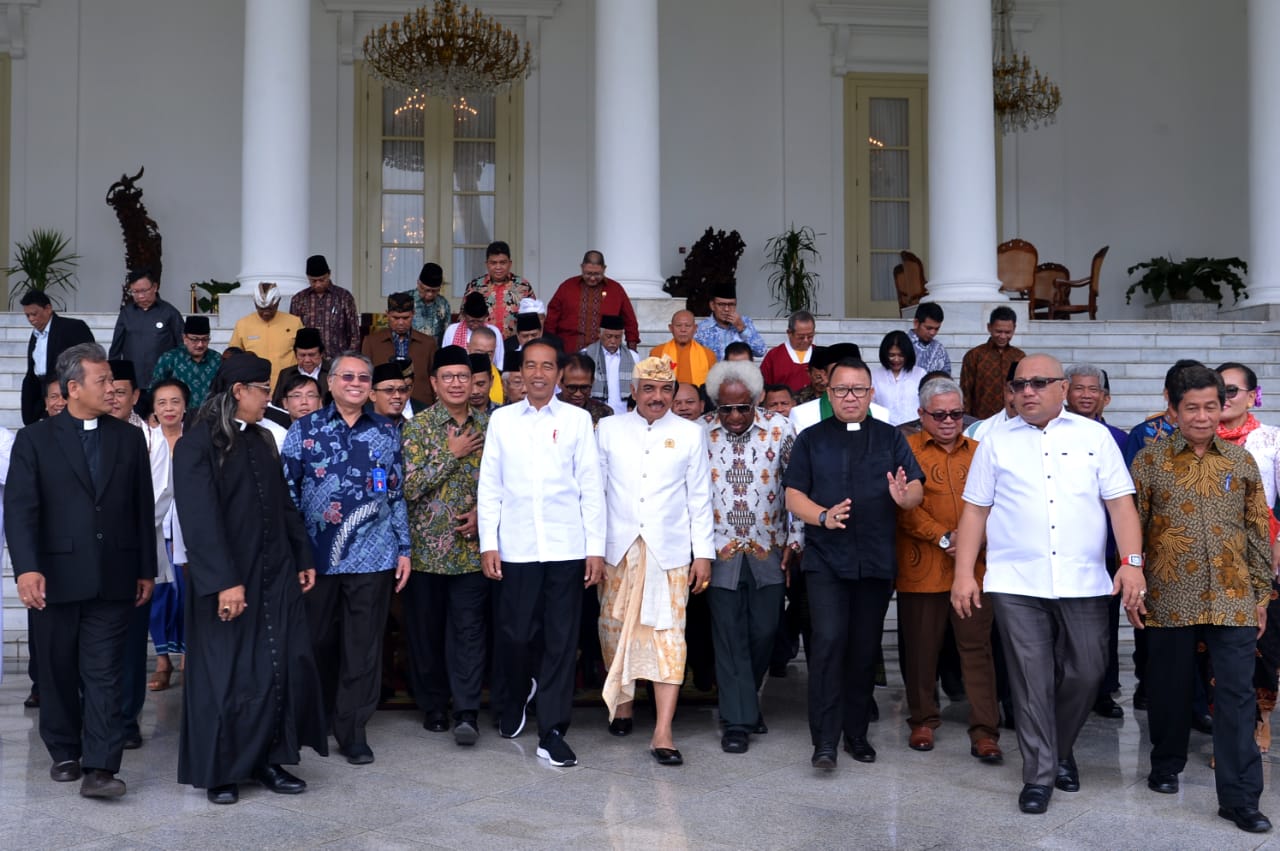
822, 519
1134, 560
945, 541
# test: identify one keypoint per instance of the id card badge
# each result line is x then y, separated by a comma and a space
379, 480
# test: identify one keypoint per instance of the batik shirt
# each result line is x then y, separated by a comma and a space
716, 337
439, 489
1146, 433
503, 312
1204, 521
749, 512
983, 374
931, 356
178, 363
333, 314
431, 317
328, 467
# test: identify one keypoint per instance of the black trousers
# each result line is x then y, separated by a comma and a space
346, 613
133, 686
82, 648
540, 598
1170, 681
444, 618
847, 622
33, 651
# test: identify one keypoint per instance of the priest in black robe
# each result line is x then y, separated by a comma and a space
252, 692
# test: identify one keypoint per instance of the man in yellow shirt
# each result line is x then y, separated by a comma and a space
691, 358
267, 332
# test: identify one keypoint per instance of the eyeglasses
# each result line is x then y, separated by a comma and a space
191, 338
398, 390
355, 377
726, 410
577, 389
841, 391
453, 378
137, 291
943, 416
1233, 391
1037, 384
265, 388
310, 397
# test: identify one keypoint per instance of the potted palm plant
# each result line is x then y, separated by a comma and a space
43, 262
1193, 286
791, 282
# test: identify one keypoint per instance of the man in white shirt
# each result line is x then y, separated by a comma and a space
541, 521
658, 491
1041, 487
614, 365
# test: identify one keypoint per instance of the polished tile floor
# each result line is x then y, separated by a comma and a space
423, 791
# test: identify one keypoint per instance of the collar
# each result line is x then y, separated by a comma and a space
1063, 416
1178, 444
438, 414
962, 443
553, 407
45, 333
330, 413
795, 356
757, 422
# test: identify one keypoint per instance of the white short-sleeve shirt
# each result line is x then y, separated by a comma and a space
1047, 530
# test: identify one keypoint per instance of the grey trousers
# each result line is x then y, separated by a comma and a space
744, 622
1056, 652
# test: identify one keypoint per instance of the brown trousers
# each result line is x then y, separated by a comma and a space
924, 622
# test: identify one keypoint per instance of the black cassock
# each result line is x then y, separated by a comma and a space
251, 693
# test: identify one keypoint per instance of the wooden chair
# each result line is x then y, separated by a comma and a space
1042, 292
909, 280
1062, 307
1016, 268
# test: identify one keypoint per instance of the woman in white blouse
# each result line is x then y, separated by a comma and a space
169, 401
897, 378
1242, 428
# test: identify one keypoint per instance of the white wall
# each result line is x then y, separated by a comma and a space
1147, 154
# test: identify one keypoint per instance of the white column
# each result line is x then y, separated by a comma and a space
275, 189
627, 192
962, 163
1264, 154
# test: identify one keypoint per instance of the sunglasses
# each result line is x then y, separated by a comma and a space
1036, 384
355, 377
577, 389
726, 410
943, 416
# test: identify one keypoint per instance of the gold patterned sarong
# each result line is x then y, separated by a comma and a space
633, 651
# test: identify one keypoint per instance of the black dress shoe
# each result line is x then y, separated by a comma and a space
1068, 779
734, 741
359, 754
1203, 723
132, 741
1246, 818
860, 749
98, 783
465, 733
436, 722
760, 728
276, 779
65, 771
824, 757
1034, 798
228, 794
33, 700
1165, 784
667, 756
1108, 708
621, 727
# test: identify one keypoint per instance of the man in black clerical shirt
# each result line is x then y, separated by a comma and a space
79, 517
848, 476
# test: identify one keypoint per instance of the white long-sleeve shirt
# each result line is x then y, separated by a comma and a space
540, 496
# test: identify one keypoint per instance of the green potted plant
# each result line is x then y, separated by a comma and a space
43, 262
1189, 278
791, 283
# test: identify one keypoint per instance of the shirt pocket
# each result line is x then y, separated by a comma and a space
1076, 471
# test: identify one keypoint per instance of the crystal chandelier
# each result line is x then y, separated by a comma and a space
1024, 98
447, 51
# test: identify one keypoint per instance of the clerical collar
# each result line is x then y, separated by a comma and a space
853, 426
87, 425
243, 425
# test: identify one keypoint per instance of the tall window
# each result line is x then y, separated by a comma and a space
439, 181
886, 190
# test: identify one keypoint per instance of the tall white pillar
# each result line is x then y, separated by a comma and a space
627, 193
962, 160
275, 189
1264, 153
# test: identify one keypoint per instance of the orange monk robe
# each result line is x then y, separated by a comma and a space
691, 361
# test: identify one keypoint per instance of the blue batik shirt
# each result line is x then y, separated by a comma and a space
329, 467
716, 337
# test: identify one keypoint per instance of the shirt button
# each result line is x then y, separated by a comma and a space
99, 536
